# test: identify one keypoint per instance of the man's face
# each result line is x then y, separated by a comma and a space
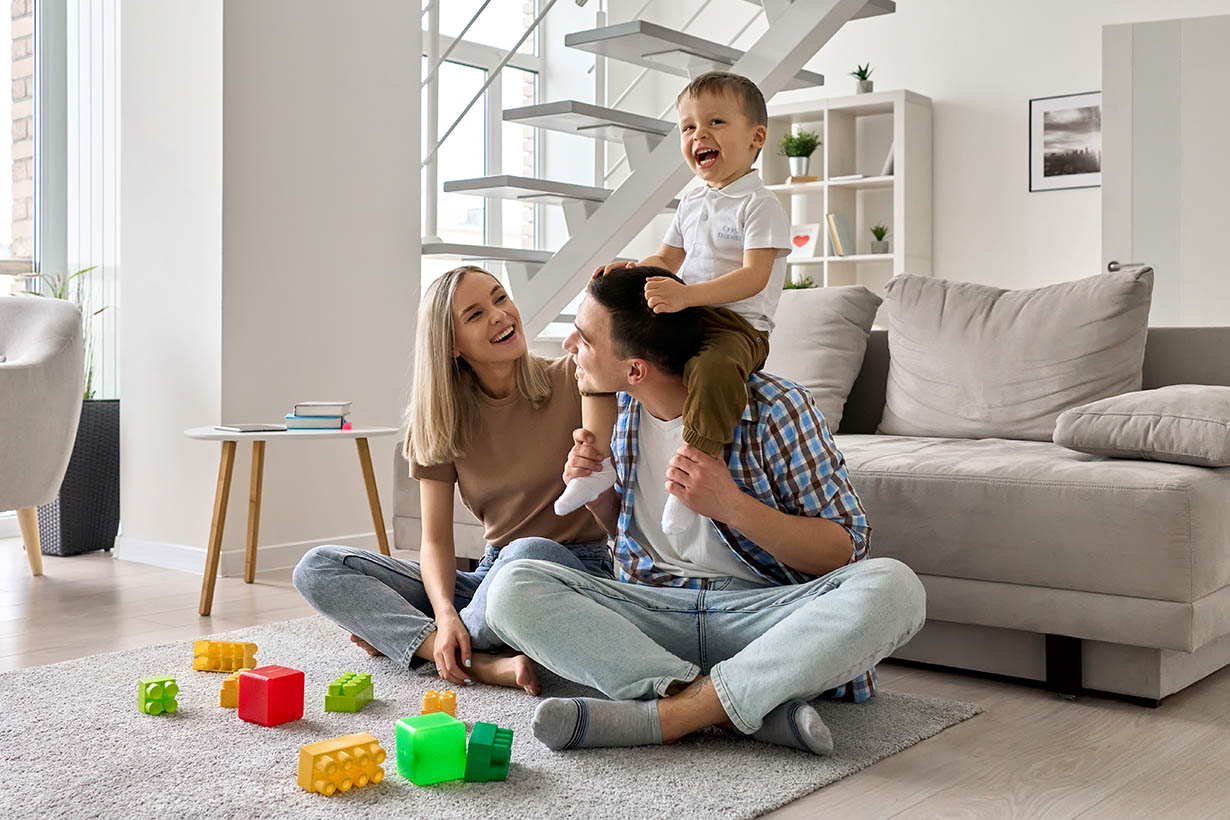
599, 370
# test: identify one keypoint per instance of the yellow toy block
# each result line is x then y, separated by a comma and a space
228, 698
223, 656
434, 701
327, 766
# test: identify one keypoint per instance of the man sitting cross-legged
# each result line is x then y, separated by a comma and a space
766, 602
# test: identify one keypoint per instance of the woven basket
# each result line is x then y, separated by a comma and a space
85, 516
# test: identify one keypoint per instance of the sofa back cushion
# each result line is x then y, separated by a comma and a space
973, 361
819, 340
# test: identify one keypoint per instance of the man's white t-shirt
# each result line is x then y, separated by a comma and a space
699, 552
715, 225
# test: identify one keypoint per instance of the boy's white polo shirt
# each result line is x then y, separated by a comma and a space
715, 225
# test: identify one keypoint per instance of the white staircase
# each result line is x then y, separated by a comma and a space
602, 221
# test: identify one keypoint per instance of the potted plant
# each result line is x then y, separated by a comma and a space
797, 147
879, 244
799, 284
863, 75
85, 516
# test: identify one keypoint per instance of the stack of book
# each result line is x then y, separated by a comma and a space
319, 415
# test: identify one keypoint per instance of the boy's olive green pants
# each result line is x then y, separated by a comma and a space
716, 378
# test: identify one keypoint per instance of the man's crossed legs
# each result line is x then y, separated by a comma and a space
677, 660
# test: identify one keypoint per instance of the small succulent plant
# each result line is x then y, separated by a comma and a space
863, 72
879, 232
799, 144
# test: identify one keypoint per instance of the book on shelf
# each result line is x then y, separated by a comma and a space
845, 177
322, 408
294, 422
887, 170
840, 239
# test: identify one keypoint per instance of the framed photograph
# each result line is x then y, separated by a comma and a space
1065, 142
803, 239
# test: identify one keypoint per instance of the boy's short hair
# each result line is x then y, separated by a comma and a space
667, 340
722, 82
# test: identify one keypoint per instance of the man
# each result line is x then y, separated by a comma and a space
768, 601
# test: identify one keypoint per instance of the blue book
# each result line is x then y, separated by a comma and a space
294, 422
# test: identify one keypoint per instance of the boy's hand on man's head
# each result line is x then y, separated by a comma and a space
666, 295
610, 266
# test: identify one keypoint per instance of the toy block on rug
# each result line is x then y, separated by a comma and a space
434, 701
223, 656
431, 748
489, 754
349, 693
270, 695
156, 695
329, 766
228, 698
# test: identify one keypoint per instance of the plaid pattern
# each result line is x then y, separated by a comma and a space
782, 455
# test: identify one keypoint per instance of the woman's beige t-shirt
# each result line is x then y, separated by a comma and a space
513, 471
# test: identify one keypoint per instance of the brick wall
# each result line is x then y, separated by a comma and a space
23, 128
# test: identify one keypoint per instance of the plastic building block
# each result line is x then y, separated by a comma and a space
270, 695
228, 698
156, 696
223, 656
489, 753
431, 748
328, 766
434, 701
349, 693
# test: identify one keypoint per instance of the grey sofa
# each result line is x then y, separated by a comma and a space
1047, 564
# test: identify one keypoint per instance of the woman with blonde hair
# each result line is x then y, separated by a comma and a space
494, 419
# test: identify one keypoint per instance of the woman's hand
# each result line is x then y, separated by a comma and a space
583, 458
452, 650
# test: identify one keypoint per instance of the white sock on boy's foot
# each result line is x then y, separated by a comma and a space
677, 517
586, 488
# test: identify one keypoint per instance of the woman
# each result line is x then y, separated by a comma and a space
487, 415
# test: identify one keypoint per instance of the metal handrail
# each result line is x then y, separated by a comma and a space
431, 75
607, 174
491, 78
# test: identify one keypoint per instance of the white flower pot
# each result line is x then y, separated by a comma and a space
799, 165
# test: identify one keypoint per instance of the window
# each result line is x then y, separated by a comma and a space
482, 144
17, 210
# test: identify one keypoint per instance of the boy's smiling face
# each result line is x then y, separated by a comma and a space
718, 141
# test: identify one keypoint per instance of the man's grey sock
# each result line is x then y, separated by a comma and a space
581, 723
798, 725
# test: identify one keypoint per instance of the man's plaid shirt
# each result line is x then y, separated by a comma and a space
783, 455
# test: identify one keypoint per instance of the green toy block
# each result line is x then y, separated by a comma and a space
349, 693
156, 696
431, 748
489, 754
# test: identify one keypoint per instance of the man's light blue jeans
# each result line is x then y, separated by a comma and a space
761, 645
383, 601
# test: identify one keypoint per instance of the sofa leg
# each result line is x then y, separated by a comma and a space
1063, 665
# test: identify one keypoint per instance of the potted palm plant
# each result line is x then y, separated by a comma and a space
879, 244
863, 75
797, 147
85, 516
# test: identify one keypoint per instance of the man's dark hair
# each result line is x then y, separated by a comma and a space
667, 340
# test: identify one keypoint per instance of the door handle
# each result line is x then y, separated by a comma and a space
1114, 266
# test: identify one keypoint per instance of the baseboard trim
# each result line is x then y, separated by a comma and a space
230, 565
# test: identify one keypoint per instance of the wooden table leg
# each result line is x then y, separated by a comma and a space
373, 497
214, 550
254, 510
27, 520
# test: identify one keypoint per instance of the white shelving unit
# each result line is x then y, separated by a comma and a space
858, 133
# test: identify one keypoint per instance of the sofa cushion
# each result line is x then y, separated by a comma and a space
1036, 513
972, 361
819, 341
1182, 423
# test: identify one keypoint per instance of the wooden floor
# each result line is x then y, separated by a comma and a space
1029, 754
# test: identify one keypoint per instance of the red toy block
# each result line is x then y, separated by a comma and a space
270, 695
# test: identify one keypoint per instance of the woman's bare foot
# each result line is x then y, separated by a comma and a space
516, 671
366, 647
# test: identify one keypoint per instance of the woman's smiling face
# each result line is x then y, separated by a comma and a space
486, 324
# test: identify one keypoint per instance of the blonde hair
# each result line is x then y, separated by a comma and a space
442, 412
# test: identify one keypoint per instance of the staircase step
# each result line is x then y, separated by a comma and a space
531, 189
457, 250
664, 49
874, 8
588, 120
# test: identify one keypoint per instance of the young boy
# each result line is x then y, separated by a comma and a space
728, 243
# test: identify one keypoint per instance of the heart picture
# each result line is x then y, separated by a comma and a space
803, 240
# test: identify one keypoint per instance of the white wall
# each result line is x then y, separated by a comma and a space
273, 173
